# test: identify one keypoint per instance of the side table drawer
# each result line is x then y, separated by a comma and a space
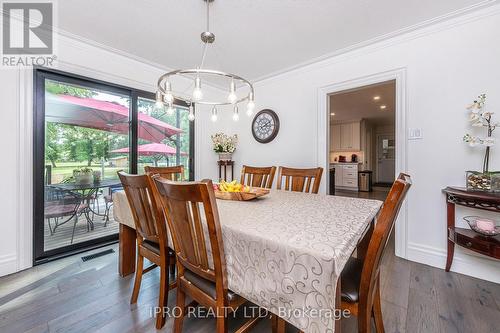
472, 244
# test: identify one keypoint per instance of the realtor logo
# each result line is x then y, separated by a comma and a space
27, 28
27, 34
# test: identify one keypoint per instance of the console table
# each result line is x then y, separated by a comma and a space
223, 164
489, 246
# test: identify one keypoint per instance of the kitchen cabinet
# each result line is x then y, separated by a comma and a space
335, 138
346, 176
345, 137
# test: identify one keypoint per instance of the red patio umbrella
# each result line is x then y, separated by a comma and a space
151, 149
103, 115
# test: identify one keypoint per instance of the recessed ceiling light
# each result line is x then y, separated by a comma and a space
376, 98
332, 114
383, 107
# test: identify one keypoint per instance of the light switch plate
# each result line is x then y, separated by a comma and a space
415, 134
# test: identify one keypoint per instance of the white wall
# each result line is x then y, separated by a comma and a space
447, 66
78, 57
9, 169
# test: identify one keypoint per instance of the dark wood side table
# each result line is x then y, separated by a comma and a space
224, 165
489, 246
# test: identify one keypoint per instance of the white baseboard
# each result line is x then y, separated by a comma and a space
8, 264
464, 262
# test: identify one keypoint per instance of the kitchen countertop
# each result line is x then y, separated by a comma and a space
345, 163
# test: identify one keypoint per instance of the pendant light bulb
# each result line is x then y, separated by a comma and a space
236, 116
214, 114
169, 98
197, 93
159, 102
191, 113
170, 110
232, 93
250, 105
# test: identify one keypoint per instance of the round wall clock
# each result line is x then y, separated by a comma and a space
265, 126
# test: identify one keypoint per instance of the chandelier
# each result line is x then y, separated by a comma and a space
239, 91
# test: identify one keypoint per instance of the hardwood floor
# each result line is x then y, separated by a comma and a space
378, 193
69, 295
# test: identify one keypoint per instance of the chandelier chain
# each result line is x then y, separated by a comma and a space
166, 95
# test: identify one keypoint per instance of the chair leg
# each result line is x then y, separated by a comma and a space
74, 227
377, 311
221, 324
181, 303
138, 279
278, 325
364, 320
50, 227
163, 297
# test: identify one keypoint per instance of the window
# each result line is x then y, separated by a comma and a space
86, 131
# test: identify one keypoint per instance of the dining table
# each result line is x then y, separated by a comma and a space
284, 251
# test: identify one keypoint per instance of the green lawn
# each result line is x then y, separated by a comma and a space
64, 170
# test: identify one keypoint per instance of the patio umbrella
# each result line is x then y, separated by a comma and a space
152, 149
103, 115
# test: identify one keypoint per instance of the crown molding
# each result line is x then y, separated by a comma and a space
462, 16
73, 38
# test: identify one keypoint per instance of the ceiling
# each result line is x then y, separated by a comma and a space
279, 33
359, 104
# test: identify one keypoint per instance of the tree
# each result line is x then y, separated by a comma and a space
52, 149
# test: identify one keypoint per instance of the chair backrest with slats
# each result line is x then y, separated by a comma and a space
299, 180
258, 176
380, 236
150, 223
181, 203
172, 173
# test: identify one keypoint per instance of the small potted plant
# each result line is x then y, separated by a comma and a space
224, 145
479, 117
83, 176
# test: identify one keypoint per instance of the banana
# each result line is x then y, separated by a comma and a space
233, 186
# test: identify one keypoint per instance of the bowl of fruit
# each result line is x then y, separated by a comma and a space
238, 192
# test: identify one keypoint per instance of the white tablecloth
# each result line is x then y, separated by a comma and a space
284, 252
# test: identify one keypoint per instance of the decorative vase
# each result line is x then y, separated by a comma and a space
225, 156
483, 181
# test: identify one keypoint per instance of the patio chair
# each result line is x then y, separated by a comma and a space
108, 201
61, 204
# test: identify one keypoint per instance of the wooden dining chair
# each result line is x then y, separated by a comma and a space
201, 277
258, 176
300, 180
172, 173
152, 240
360, 279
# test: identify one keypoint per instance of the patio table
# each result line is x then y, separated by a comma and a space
74, 187
86, 191
284, 252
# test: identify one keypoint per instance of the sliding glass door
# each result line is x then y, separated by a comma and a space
177, 149
86, 131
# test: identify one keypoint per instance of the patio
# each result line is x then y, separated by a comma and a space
62, 235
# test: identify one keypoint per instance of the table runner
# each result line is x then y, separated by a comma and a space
284, 252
